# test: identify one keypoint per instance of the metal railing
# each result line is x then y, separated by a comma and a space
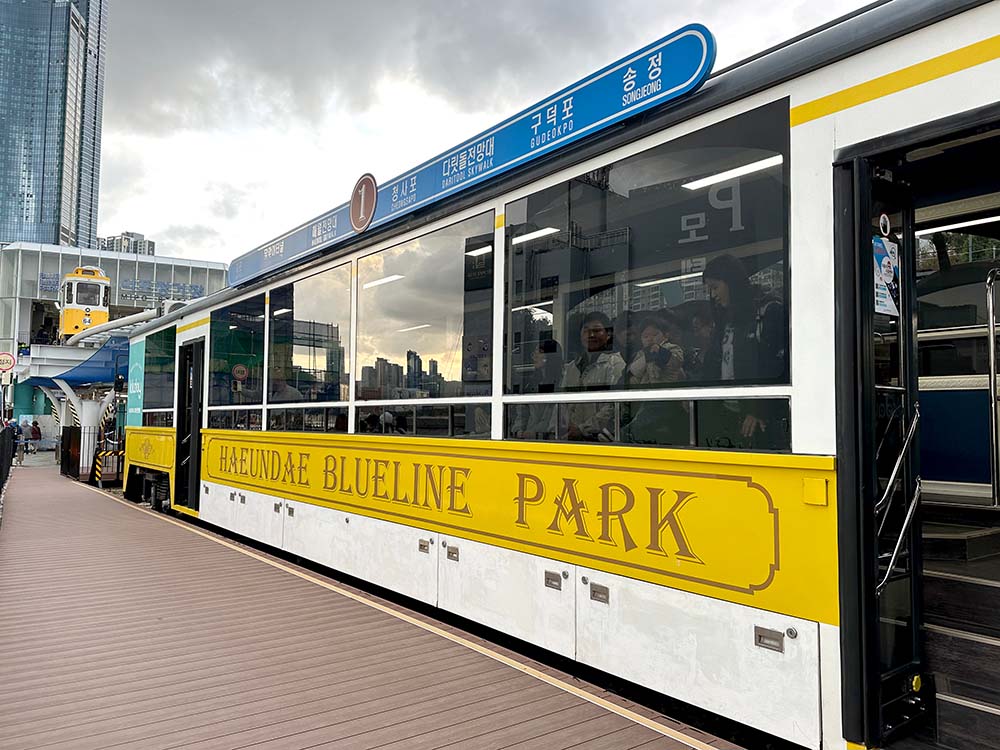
894, 476
899, 541
991, 278
885, 502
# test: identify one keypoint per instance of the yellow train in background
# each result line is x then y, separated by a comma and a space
84, 300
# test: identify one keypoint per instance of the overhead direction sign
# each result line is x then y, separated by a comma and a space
667, 69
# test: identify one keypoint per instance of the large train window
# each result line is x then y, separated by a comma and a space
310, 333
425, 315
668, 268
237, 354
160, 361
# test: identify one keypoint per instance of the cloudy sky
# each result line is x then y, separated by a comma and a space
227, 122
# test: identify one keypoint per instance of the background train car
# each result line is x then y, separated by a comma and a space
655, 397
84, 300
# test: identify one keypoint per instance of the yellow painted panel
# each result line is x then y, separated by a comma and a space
899, 80
195, 324
733, 526
498, 222
151, 448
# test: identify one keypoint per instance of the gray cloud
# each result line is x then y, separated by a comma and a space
122, 175
229, 200
189, 241
192, 64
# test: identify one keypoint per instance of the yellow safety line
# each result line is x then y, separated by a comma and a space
196, 324
899, 80
666, 731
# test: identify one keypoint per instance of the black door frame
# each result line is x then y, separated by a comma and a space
190, 396
859, 633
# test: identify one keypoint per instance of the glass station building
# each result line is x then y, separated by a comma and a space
30, 275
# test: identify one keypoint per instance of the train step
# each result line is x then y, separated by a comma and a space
962, 542
963, 595
962, 645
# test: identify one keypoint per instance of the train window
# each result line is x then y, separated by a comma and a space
158, 419
234, 419
951, 276
731, 424
309, 338
432, 420
68, 289
160, 360
106, 302
665, 268
237, 354
310, 419
425, 315
88, 293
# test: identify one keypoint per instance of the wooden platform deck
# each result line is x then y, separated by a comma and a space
121, 628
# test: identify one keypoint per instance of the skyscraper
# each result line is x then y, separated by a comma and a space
51, 104
95, 13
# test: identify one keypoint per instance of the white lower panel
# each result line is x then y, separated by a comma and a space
703, 651
259, 516
391, 555
217, 505
833, 726
507, 591
315, 533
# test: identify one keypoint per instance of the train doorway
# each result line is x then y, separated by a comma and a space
917, 401
190, 392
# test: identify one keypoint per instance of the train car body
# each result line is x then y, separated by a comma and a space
84, 300
656, 397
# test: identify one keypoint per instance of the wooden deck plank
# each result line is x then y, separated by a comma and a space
121, 631
583, 731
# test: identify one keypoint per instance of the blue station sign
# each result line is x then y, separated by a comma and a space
660, 72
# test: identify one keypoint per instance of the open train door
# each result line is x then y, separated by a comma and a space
190, 393
884, 695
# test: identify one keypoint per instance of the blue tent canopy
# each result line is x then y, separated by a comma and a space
101, 367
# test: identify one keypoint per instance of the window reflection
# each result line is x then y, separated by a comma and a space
309, 338
455, 420
159, 361
237, 346
234, 419
310, 419
158, 419
425, 312
730, 424
665, 268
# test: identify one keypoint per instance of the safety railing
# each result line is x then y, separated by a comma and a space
894, 476
883, 506
899, 540
991, 279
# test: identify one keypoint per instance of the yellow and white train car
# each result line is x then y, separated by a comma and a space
84, 300
678, 399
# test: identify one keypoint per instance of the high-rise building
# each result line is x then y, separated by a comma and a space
127, 242
95, 13
52, 90
414, 369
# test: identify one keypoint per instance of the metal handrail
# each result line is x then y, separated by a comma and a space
888, 428
899, 542
991, 278
899, 460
